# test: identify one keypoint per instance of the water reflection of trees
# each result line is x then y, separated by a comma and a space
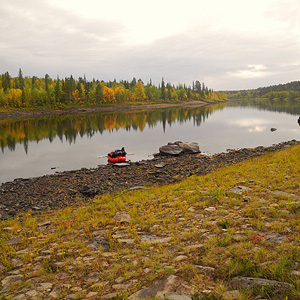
68, 127
291, 107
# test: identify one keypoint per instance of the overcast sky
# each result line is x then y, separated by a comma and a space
228, 44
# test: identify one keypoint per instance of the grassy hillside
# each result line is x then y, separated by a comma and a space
240, 220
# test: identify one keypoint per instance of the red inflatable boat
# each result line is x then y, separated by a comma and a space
116, 156
116, 159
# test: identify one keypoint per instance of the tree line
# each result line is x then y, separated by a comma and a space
289, 90
32, 92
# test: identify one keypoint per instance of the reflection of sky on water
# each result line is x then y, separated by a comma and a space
252, 125
231, 127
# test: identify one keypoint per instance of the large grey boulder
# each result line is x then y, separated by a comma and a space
179, 147
170, 150
192, 147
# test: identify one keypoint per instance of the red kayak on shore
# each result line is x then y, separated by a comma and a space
116, 156
116, 159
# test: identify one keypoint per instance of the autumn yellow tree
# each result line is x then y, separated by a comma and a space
120, 94
108, 95
139, 91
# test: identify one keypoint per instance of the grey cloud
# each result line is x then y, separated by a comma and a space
42, 39
33, 32
206, 56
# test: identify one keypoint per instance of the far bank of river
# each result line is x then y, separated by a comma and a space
19, 114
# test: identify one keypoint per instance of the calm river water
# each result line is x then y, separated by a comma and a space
35, 147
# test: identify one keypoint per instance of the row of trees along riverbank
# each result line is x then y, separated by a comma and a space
34, 92
289, 90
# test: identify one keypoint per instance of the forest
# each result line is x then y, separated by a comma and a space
34, 92
289, 90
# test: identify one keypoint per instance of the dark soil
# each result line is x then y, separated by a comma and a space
72, 187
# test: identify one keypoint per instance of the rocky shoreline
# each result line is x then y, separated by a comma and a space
73, 187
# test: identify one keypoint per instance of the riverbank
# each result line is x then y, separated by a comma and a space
230, 234
21, 114
68, 188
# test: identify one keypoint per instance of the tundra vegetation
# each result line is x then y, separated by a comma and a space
242, 220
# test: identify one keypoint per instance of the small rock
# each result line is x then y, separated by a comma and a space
7, 229
153, 239
172, 284
44, 224
281, 193
71, 192
181, 257
239, 237
109, 296
71, 297
122, 164
240, 189
121, 286
196, 246
273, 129
121, 217
97, 243
126, 241
161, 165
99, 232
210, 209
45, 286
14, 241
1, 268
32, 294
104, 285
205, 270
20, 297
92, 295
92, 277
11, 279
4, 216
139, 187
274, 237
54, 294
232, 295
89, 191
37, 207
295, 273
76, 289
173, 296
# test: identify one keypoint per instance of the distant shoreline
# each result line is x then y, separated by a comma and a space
19, 114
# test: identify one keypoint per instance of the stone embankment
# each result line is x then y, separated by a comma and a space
68, 188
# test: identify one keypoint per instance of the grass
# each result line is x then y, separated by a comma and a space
235, 230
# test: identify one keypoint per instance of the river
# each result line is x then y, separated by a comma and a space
38, 146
